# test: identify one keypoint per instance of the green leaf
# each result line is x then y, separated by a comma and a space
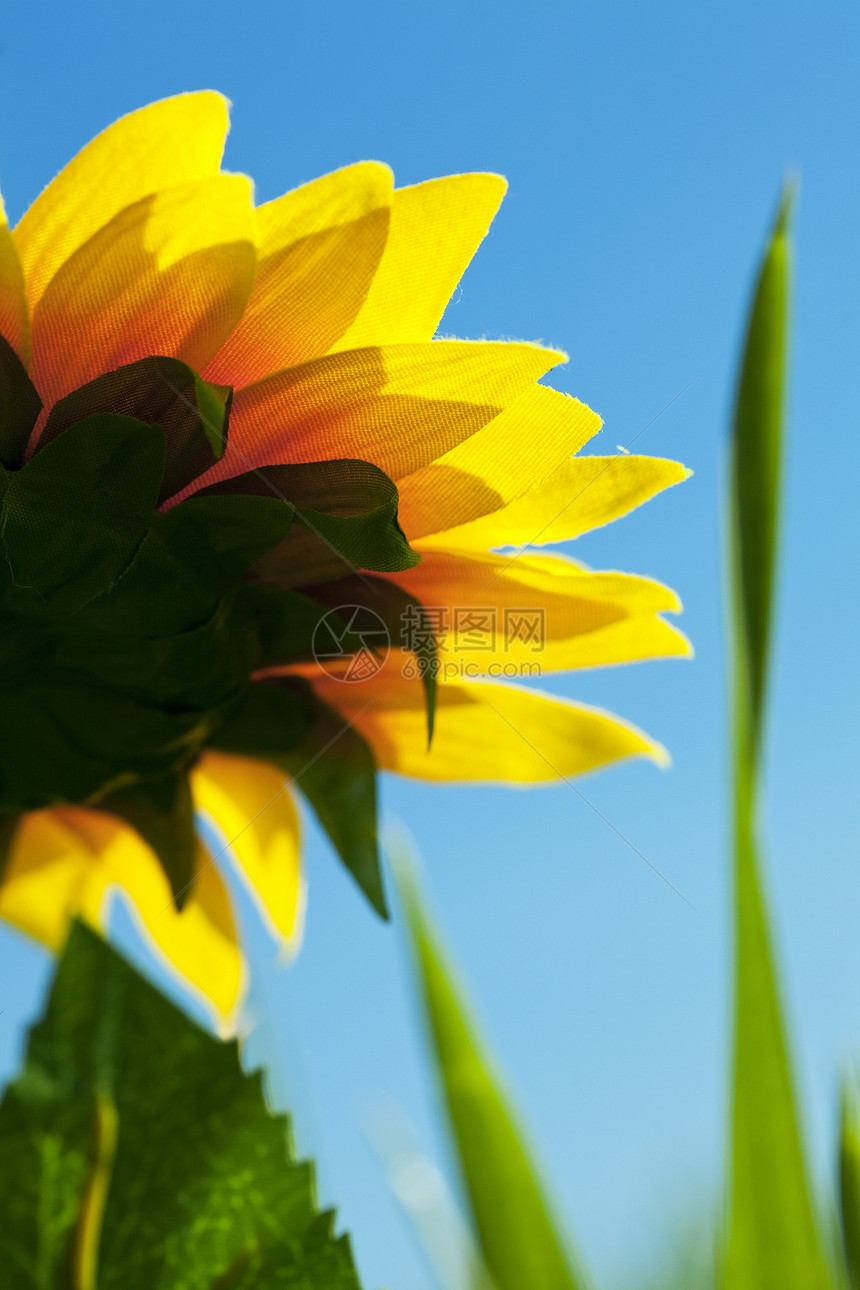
161, 391
192, 555
773, 1238
74, 516
405, 619
849, 1181
137, 1155
517, 1233
66, 738
327, 759
286, 623
200, 668
20, 406
756, 452
347, 511
162, 812
267, 721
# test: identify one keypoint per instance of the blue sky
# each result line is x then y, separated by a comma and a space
645, 147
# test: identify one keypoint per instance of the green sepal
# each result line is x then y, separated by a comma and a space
192, 555
20, 406
347, 513
76, 514
286, 623
268, 721
138, 1154
336, 771
398, 610
283, 721
199, 668
193, 413
162, 812
67, 738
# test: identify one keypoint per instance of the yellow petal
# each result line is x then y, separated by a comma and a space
398, 407
170, 275
251, 806
581, 495
175, 141
484, 732
317, 251
514, 453
495, 617
435, 230
14, 314
66, 861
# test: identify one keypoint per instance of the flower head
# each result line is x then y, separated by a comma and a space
250, 516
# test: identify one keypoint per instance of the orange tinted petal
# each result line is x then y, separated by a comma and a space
513, 454
398, 406
14, 314
541, 612
170, 275
483, 732
317, 251
175, 141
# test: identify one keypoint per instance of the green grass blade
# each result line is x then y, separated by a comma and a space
757, 435
773, 1239
849, 1182
517, 1235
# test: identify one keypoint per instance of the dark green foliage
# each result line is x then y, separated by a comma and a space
162, 391
329, 762
346, 512
20, 406
75, 515
129, 634
122, 1094
162, 812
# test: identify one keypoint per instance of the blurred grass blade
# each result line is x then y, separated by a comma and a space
849, 1182
773, 1240
517, 1234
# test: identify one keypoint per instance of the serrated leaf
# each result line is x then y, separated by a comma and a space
519, 1238
192, 412
773, 1240
75, 515
138, 1156
347, 513
20, 406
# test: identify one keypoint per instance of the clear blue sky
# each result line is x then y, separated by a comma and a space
645, 146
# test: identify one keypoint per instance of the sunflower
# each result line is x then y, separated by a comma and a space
251, 519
